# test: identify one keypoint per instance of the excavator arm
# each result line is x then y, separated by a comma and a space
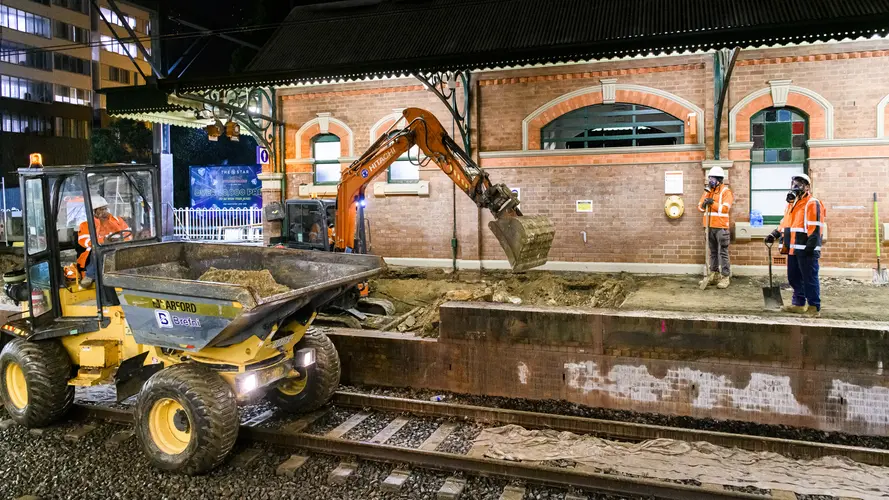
526, 240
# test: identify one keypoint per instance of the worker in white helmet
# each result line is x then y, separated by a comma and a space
107, 225
716, 203
800, 233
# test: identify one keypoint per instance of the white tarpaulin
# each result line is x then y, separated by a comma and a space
705, 462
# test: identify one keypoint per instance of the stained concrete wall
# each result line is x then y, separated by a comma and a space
823, 375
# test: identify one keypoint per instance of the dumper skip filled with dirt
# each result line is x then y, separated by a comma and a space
168, 300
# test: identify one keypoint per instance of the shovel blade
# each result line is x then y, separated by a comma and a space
772, 297
525, 239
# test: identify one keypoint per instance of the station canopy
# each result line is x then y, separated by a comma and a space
359, 40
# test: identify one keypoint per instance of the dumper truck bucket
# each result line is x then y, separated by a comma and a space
525, 239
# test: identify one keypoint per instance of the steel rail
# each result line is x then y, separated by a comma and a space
611, 429
552, 476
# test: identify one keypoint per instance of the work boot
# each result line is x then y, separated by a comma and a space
794, 309
86, 282
813, 312
723, 282
711, 279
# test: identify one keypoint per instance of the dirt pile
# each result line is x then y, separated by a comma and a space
417, 293
260, 281
10, 263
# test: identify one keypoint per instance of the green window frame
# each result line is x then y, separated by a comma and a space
406, 169
779, 151
612, 126
326, 168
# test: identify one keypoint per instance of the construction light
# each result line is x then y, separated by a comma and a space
35, 160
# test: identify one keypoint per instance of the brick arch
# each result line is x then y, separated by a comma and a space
324, 125
816, 107
384, 123
624, 93
883, 118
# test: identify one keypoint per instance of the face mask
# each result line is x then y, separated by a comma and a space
794, 194
712, 183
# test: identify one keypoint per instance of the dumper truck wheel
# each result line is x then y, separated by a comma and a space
34, 381
186, 419
314, 389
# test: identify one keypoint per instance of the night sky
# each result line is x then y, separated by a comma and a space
220, 56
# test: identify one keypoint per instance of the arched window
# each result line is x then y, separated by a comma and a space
406, 168
779, 151
325, 156
612, 126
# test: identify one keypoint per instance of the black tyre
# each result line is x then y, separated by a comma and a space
315, 388
34, 381
186, 419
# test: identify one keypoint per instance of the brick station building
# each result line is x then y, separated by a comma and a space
586, 108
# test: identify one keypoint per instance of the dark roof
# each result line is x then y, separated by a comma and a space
376, 37
140, 99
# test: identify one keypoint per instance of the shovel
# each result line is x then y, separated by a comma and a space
772, 294
881, 274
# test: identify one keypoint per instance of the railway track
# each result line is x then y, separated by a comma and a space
295, 434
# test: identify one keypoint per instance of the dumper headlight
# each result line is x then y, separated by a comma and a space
249, 383
304, 357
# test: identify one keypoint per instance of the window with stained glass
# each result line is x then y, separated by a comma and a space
779, 151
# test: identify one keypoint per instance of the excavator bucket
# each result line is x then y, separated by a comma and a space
525, 239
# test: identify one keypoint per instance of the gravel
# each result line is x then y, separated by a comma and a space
573, 409
415, 432
48, 467
369, 427
328, 422
460, 441
753, 490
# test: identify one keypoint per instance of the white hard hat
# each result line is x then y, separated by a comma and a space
98, 202
716, 172
803, 177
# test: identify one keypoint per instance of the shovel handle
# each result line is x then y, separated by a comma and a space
769, 246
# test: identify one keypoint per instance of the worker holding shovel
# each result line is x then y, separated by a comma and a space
716, 204
800, 233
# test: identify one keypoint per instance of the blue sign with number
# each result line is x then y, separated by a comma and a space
226, 186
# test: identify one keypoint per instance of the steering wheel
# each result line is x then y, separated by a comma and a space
118, 236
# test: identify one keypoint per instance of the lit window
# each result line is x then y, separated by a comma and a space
25, 55
27, 22
612, 126
406, 168
779, 152
325, 154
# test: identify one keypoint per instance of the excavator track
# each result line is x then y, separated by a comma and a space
525, 239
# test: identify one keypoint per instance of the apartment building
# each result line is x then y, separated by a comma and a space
54, 55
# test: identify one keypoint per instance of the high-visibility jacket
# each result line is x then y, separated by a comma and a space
719, 210
802, 226
103, 228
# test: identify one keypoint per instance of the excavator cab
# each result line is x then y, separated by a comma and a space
307, 223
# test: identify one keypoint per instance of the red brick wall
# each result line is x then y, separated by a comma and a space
627, 223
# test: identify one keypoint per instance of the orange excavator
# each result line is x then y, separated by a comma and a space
526, 240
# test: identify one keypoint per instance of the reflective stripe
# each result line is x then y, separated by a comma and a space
717, 214
802, 247
84, 237
797, 230
814, 223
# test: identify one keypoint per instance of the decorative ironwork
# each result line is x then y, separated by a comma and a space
723, 65
444, 85
253, 108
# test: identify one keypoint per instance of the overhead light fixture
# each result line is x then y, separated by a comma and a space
232, 130
214, 131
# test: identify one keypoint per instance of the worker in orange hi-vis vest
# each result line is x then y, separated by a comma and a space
106, 225
716, 203
800, 234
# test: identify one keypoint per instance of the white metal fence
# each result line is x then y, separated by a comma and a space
220, 224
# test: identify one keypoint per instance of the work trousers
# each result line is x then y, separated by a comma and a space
719, 241
90, 270
802, 273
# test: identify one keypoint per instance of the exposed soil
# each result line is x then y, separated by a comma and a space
260, 281
10, 263
420, 292
417, 294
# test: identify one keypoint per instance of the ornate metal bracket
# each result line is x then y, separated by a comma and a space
253, 108
444, 85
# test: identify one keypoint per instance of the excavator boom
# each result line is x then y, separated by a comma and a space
526, 240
